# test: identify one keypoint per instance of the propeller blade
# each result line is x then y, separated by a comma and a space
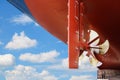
94, 61
104, 47
94, 39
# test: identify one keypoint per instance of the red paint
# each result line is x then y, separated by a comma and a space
52, 15
73, 32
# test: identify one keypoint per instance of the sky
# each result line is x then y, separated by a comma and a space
29, 52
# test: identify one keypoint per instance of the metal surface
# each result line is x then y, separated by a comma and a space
73, 32
52, 15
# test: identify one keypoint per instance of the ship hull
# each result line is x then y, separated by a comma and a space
104, 15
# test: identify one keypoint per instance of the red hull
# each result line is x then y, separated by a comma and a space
104, 15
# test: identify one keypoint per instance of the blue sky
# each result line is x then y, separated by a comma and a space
28, 52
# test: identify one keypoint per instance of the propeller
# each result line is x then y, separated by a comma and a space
93, 48
104, 47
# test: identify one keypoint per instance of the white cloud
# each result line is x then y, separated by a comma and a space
36, 24
82, 77
59, 42
20, 41
6, 60
40, 58
23, 19
21, 72
44, 73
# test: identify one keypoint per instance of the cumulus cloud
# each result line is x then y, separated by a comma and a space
23, 19
6, 60
39, 58
20, 42
21, 72
82, 77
